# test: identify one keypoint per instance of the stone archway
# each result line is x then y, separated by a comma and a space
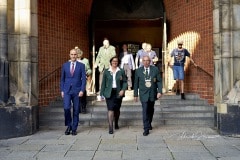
131, 22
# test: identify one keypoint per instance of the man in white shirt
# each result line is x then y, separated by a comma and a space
127, 63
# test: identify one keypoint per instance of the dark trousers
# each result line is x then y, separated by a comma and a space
83, 101
147, 114
69, 99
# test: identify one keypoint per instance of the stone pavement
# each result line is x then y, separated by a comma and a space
128, 143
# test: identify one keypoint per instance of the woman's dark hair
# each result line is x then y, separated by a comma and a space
115, 57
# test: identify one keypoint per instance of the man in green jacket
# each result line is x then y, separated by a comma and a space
105, 53
148, 83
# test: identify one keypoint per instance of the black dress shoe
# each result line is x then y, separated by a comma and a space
74, 133
116, 126
68, 130
145, 133
150, 128
110, 130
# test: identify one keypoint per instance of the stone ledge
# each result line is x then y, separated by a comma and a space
228, 123
18, 121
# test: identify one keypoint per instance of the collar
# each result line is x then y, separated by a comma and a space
110, 69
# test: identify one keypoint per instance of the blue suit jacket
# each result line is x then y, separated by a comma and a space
77, 81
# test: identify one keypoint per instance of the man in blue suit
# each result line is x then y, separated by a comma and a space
72, 85
148, 83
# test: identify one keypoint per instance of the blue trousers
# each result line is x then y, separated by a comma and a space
147, 114
71, 99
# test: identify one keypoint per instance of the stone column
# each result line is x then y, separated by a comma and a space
226, 28
4, 87
20, 116
23, 52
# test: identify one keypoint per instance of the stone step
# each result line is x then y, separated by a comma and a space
170, 110
137, 122
129, 115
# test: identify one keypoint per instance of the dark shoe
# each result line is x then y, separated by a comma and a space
146, 133
110, 130
182, 96
83, 110
178, 92
150, 128
116, 126
74, 133
68, 130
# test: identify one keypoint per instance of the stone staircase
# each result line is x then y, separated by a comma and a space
170, 110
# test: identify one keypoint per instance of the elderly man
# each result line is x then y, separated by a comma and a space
127, 64
106, 52
149, 85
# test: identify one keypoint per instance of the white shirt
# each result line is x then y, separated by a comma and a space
114, 84
125, 58
71, 63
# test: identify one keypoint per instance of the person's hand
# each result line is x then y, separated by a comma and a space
159, 95
80, 94
121, 93
62, 94
135, 99
155, 59
95, 65
195, 64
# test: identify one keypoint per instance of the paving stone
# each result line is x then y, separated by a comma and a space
22, 154
171, 142
85, 144
193, 156
28, 147
224, 151
229, 158
127, 143
189, 149
59, 148
117, 144
150, 142
50, 155
108, 155
80, 155
153, 154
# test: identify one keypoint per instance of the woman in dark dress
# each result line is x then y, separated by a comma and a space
114, 84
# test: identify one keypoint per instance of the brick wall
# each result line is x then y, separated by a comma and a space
62, 25
194, 16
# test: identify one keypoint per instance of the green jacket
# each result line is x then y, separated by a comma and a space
107, 80
146, 93
85, 61
104, 56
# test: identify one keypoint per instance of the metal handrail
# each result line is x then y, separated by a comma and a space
49, 74
198, 67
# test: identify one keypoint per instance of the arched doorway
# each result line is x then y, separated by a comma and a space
127, 21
